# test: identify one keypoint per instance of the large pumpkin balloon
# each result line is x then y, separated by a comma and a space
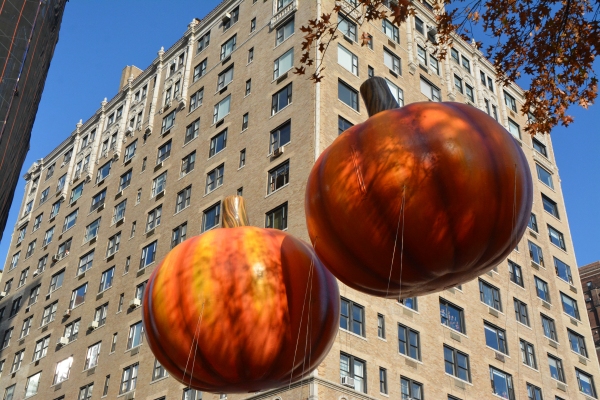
241, 309
464, 182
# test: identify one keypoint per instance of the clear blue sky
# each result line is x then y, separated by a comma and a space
100, 37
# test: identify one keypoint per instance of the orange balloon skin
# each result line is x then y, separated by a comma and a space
467, 190
238, 310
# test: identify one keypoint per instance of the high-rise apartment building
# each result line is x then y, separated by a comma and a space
221, 113
590, 283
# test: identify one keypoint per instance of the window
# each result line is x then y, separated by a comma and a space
106, 382
191, 394
353, 367
549, 327
210, 217
279, 177
17, 361
452, 316
458, 83
53, 211
113, 244
563, 271
495, 337
44, 195
248, 87
454, 54
348, 95
457, 363
409, 302
577, 343
465, 63
521, 313
78, 296
430, 90
129, 378
98, 200
347, 27
191, 131
196, 99
23, 277
281, 99
106, 279
585, 383
76, 192
347, 59
168, 122
183, 199
179, 234
410, 389
556, 237
284, 32
528, 354
6, 338
28, 208
16, 305
502, 384
469, 93
14, 261
30, 249
119, 211
490, 295
158, 371
408, 342
85, 392
103, 172
539, 147
419, 27
72, 330
390, 31
139, 290
91, 231
370, 71
542, 289
114, 338
153, 219
56, 281
392, 61
41, 348
569, 306
158, 184
148, 255
515, 273
280, 136
135, 335
242, 162
228, 47
352, 317
164, 152
33, 382
130, 151
7, 286
132, 233
383, 380
218, 143
203, 42
550, 206
37, 222
556, 368
514, 129
510, 102
381, 327
250, 55
234, 15
214, 178
9, 392
63, 368
125, 180
253, 25
91, 359
535, 253
343, 124
534, 392
533, 223
277, 218
33, 295
245, 121
200, 69
23, 231
221, 109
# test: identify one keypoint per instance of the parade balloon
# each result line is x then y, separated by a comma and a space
241, 309
417, 199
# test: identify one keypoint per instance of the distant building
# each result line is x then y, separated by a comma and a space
590, 282
28, 35
211, 117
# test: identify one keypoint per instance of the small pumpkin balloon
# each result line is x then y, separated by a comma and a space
240, 309
417, 199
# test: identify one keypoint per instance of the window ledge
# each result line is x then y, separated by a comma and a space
212, 191
462, 380
280, 110
452, 330
134, 348
347, 106
277, 190
189, 141
407, 308
285, 40
410, 358
353, 334
523, 325
530, 367
560, 248
383, 340
159, 379
183, 209
497, 351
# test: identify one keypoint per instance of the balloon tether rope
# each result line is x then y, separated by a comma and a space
194, 346
400, 218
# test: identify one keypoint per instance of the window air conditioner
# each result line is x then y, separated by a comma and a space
62, 341
36, 273
135, 303
2, 295
67, 313
88, 178
348, 381
278, 151
129, 129
226, 17
431, 32
92, 325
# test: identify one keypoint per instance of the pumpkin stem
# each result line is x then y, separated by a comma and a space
234, 212
377, 95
